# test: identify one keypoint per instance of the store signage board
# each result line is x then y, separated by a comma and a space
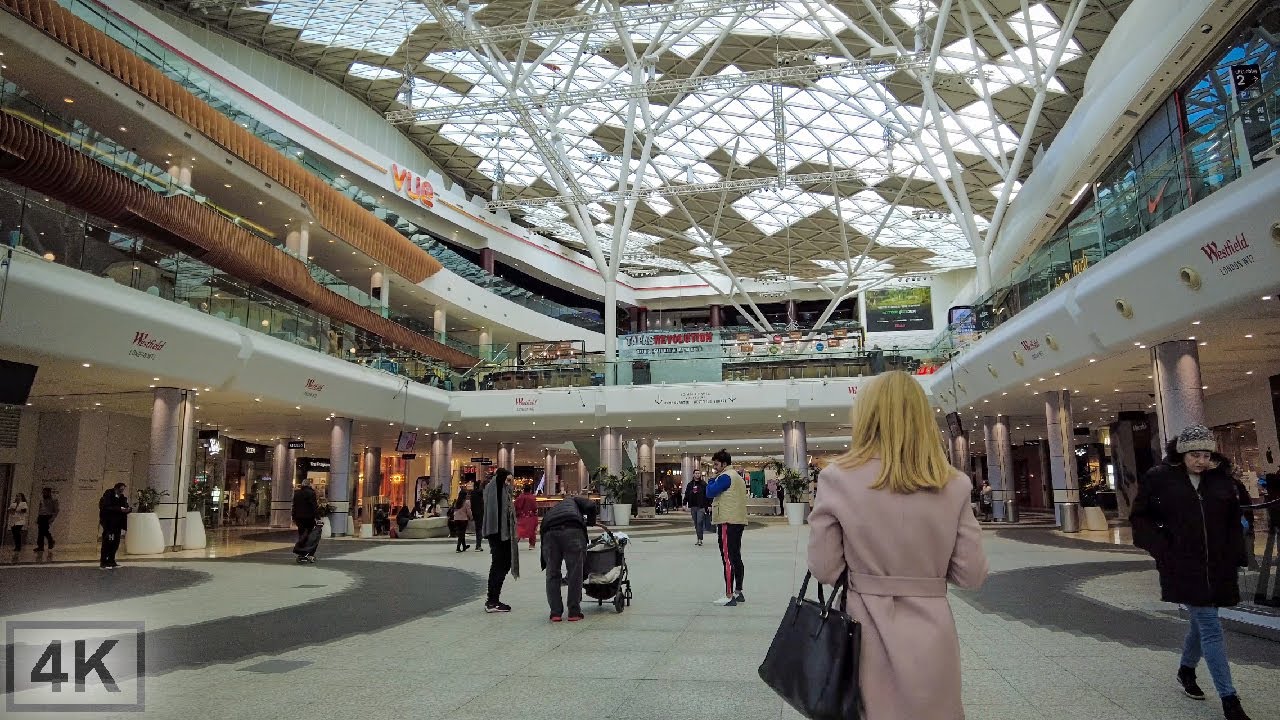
481, 461
670, 345
408, 456
297, 444
1255, 116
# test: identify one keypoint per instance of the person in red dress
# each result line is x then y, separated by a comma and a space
527, 517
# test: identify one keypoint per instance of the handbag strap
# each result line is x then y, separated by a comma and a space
839, 590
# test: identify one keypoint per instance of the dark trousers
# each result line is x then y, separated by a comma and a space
460, 531
304, 529
499, 566
479, 520
565, 546
42, 531
697, 514
110, 543
17, 531
730, 538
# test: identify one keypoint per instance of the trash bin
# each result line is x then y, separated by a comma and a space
1011, 511
1068, 517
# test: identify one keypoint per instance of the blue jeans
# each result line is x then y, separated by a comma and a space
697, 514
1204, 638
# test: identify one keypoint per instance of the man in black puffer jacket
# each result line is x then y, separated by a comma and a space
1187, 515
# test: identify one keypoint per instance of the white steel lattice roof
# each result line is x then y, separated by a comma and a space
901, 134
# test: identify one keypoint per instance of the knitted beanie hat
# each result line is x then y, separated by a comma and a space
1196, 437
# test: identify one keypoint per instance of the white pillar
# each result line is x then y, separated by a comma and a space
1060, 432
304, 244
999, 462
507, 456
688, 463
281, 487
646, 469
486, 345
442, 461
439, 322
1179, 394
340, 476
172, 431
611, 449
584, 477
552, 485
291, 242
959, 445
795, 447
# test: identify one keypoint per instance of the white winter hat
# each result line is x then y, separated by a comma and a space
1196, 437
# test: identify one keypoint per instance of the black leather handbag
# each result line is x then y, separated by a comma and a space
813, 660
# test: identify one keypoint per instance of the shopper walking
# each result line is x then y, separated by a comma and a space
527, 517
564, 543
477, 509
460, 519
306, 508
893, 517
18, 521
113, 512
728, 493
695, 496
499, 526
985, 494
1188, 516
44, 518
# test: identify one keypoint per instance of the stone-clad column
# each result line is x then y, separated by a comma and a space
507, 456
442, 461
611, 449
795, 446
999, 464
1175, 368
281, 487
339, 494
1060, 432
551, 485
168, 471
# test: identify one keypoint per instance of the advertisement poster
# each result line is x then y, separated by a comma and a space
899, 309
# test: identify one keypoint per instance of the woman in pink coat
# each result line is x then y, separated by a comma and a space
896, 515
527, 517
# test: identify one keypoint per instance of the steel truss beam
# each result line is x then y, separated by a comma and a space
667, 86
624, 17
723, 186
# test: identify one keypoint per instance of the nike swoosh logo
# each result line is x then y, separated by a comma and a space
1154, 202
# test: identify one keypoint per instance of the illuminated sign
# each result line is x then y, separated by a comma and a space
415, 187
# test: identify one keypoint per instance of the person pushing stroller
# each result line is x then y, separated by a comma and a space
564, 542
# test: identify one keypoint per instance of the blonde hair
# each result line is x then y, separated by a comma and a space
892, 422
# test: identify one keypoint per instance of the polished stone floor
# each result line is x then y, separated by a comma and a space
1067, 627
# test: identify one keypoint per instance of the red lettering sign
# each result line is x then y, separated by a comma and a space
414, 187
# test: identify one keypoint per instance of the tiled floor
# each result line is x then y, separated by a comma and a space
397, 630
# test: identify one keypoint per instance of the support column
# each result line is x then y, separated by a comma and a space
380, 288
439, 323
1000, 467
715, 318
646, 469
551, 485
486, 260
688, 463
611, 449
795, 447
959, 444
643, 319
281, 487
442, 461
304, 244
1175, 368
340, 476
1062, 459
373, 470
584, 477
169, 468
507, 456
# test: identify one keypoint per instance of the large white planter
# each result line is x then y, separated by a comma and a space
327, 529
795, 513
622, 514
193, 534
144, 536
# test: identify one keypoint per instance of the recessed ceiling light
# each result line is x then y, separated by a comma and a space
1249, 335
71, 101
226, 185
1248, 372
1191, 337
86, 365
1266, 297
124, 129
257, 399
1195, 322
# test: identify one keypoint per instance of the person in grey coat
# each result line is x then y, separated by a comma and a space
499, 527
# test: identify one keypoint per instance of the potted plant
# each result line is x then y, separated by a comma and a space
144, 535
620, 490
794, 486
193, 537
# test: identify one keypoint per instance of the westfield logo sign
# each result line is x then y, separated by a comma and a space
1232, 247
144, 340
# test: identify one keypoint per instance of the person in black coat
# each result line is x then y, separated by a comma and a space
113, 512
695, 496
1187, 515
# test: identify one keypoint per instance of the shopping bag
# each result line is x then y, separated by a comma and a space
813, 659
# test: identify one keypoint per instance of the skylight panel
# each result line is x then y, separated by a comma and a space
378, 26
773, 210
373, 72
998, 188
790, 18
909, 10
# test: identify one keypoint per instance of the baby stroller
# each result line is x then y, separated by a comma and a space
604, 574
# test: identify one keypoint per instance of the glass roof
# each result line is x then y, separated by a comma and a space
864, 131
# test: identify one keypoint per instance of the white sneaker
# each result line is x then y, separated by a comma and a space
727, 601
